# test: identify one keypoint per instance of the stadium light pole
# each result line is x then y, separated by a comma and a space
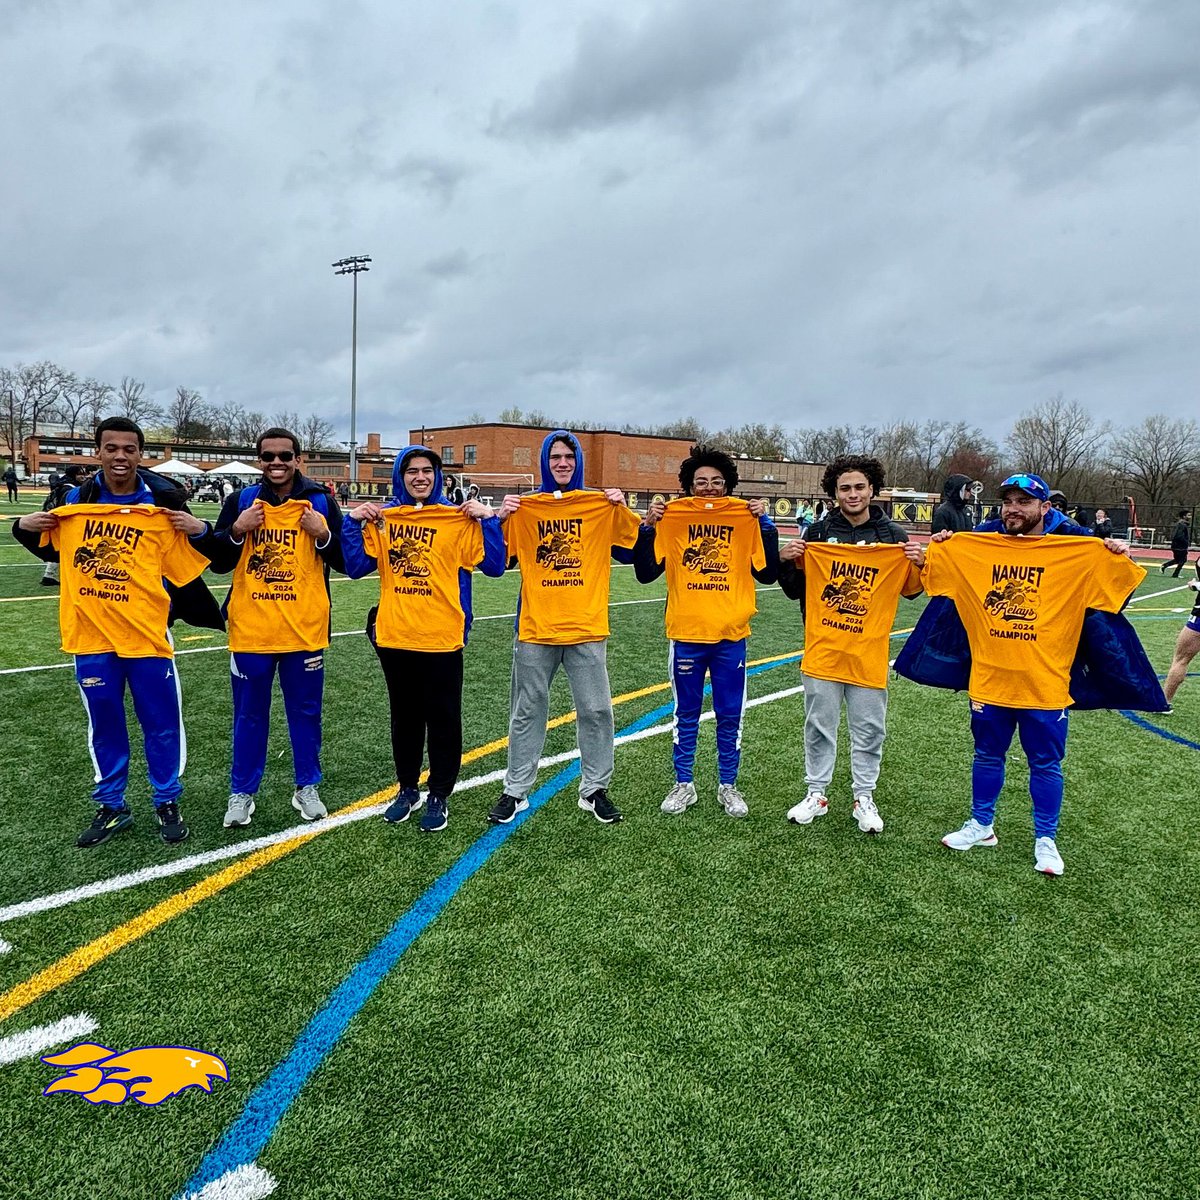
352, 266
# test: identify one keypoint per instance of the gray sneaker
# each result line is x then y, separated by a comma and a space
239, 809
679, 799
307, 802
732, 800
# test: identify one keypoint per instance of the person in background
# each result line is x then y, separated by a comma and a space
1103, 526
956, 512
1181, 539
10, 478
74, 475
453, 493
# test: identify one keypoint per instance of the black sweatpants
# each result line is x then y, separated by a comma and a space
425, 691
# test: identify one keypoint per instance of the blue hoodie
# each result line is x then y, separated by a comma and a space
360, 563
619, 553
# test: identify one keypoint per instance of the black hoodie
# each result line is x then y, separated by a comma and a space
954, 513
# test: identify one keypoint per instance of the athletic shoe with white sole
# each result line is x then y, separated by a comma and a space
172, 828
814, 805
436, 815
866, 814
971, 834
239, 809
731, 800
1046, 857
506, 808
307, 802
600, 806
680, 798
406, 802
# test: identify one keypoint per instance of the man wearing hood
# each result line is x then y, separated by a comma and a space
424, 548
280, 537
562, 536
1022, 599
848, 572
127, 572
956, 512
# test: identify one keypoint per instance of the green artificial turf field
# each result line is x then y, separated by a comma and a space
669, 1007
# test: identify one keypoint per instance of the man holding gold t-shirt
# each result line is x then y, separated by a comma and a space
849, 573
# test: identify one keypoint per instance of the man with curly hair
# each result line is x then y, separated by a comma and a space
712, 546
848, 572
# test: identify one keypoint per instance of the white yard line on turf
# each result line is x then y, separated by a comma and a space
247, 1182
32, 1042
344, 633
1155, 595
5, 947
119, 883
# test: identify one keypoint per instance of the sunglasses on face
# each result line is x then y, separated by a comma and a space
269, 456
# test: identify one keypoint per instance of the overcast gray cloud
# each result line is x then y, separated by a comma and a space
640, 210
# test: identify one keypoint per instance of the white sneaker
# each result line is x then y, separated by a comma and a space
812, 806
731, 800
866, 814
971, 834
680, 798
239, 810
1046, 857
307, 802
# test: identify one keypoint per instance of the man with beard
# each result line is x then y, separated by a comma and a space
1022, 601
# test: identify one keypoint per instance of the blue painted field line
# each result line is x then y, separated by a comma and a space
246, 1137
1130, 715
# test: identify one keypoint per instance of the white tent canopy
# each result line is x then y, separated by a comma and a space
235, 468
175, 466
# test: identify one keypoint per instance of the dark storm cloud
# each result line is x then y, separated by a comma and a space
175, 148
620, 70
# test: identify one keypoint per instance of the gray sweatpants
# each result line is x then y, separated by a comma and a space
534, 667
866, 715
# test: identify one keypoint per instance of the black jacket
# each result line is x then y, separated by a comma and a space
954, 513
1181, 539
834, 527
193, 603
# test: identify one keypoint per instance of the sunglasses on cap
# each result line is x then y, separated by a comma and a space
269, 456
1030, 484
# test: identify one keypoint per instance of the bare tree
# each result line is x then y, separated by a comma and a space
250, 426
1060, 440
821, 445
132, 402
1155, 458
315, 433
894, 447
188, 416
71, 403
226, 419
28, 395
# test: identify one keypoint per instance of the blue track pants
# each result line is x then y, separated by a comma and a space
1044, 740
725, 664
302, 682
154, 686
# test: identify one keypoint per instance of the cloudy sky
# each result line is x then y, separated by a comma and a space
803, 211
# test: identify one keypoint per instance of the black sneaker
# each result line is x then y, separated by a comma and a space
436, 814
108, 821
600, 806
506, 808
407, 801
171, 826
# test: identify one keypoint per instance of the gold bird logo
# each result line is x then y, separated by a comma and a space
150, 1074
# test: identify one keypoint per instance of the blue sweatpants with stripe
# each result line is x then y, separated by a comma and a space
154, 686
725, 664
302, 683
1043, 738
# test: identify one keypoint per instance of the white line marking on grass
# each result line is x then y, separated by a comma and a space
5, 947
119, 883
343, 633
1155, 595
249, 1182
33, 1041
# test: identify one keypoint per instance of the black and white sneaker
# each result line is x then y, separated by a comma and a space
107, 822
506, 808
171, 826
600, 806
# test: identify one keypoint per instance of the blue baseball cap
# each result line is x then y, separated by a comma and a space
1031, 485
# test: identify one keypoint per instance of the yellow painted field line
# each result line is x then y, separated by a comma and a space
72, 965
